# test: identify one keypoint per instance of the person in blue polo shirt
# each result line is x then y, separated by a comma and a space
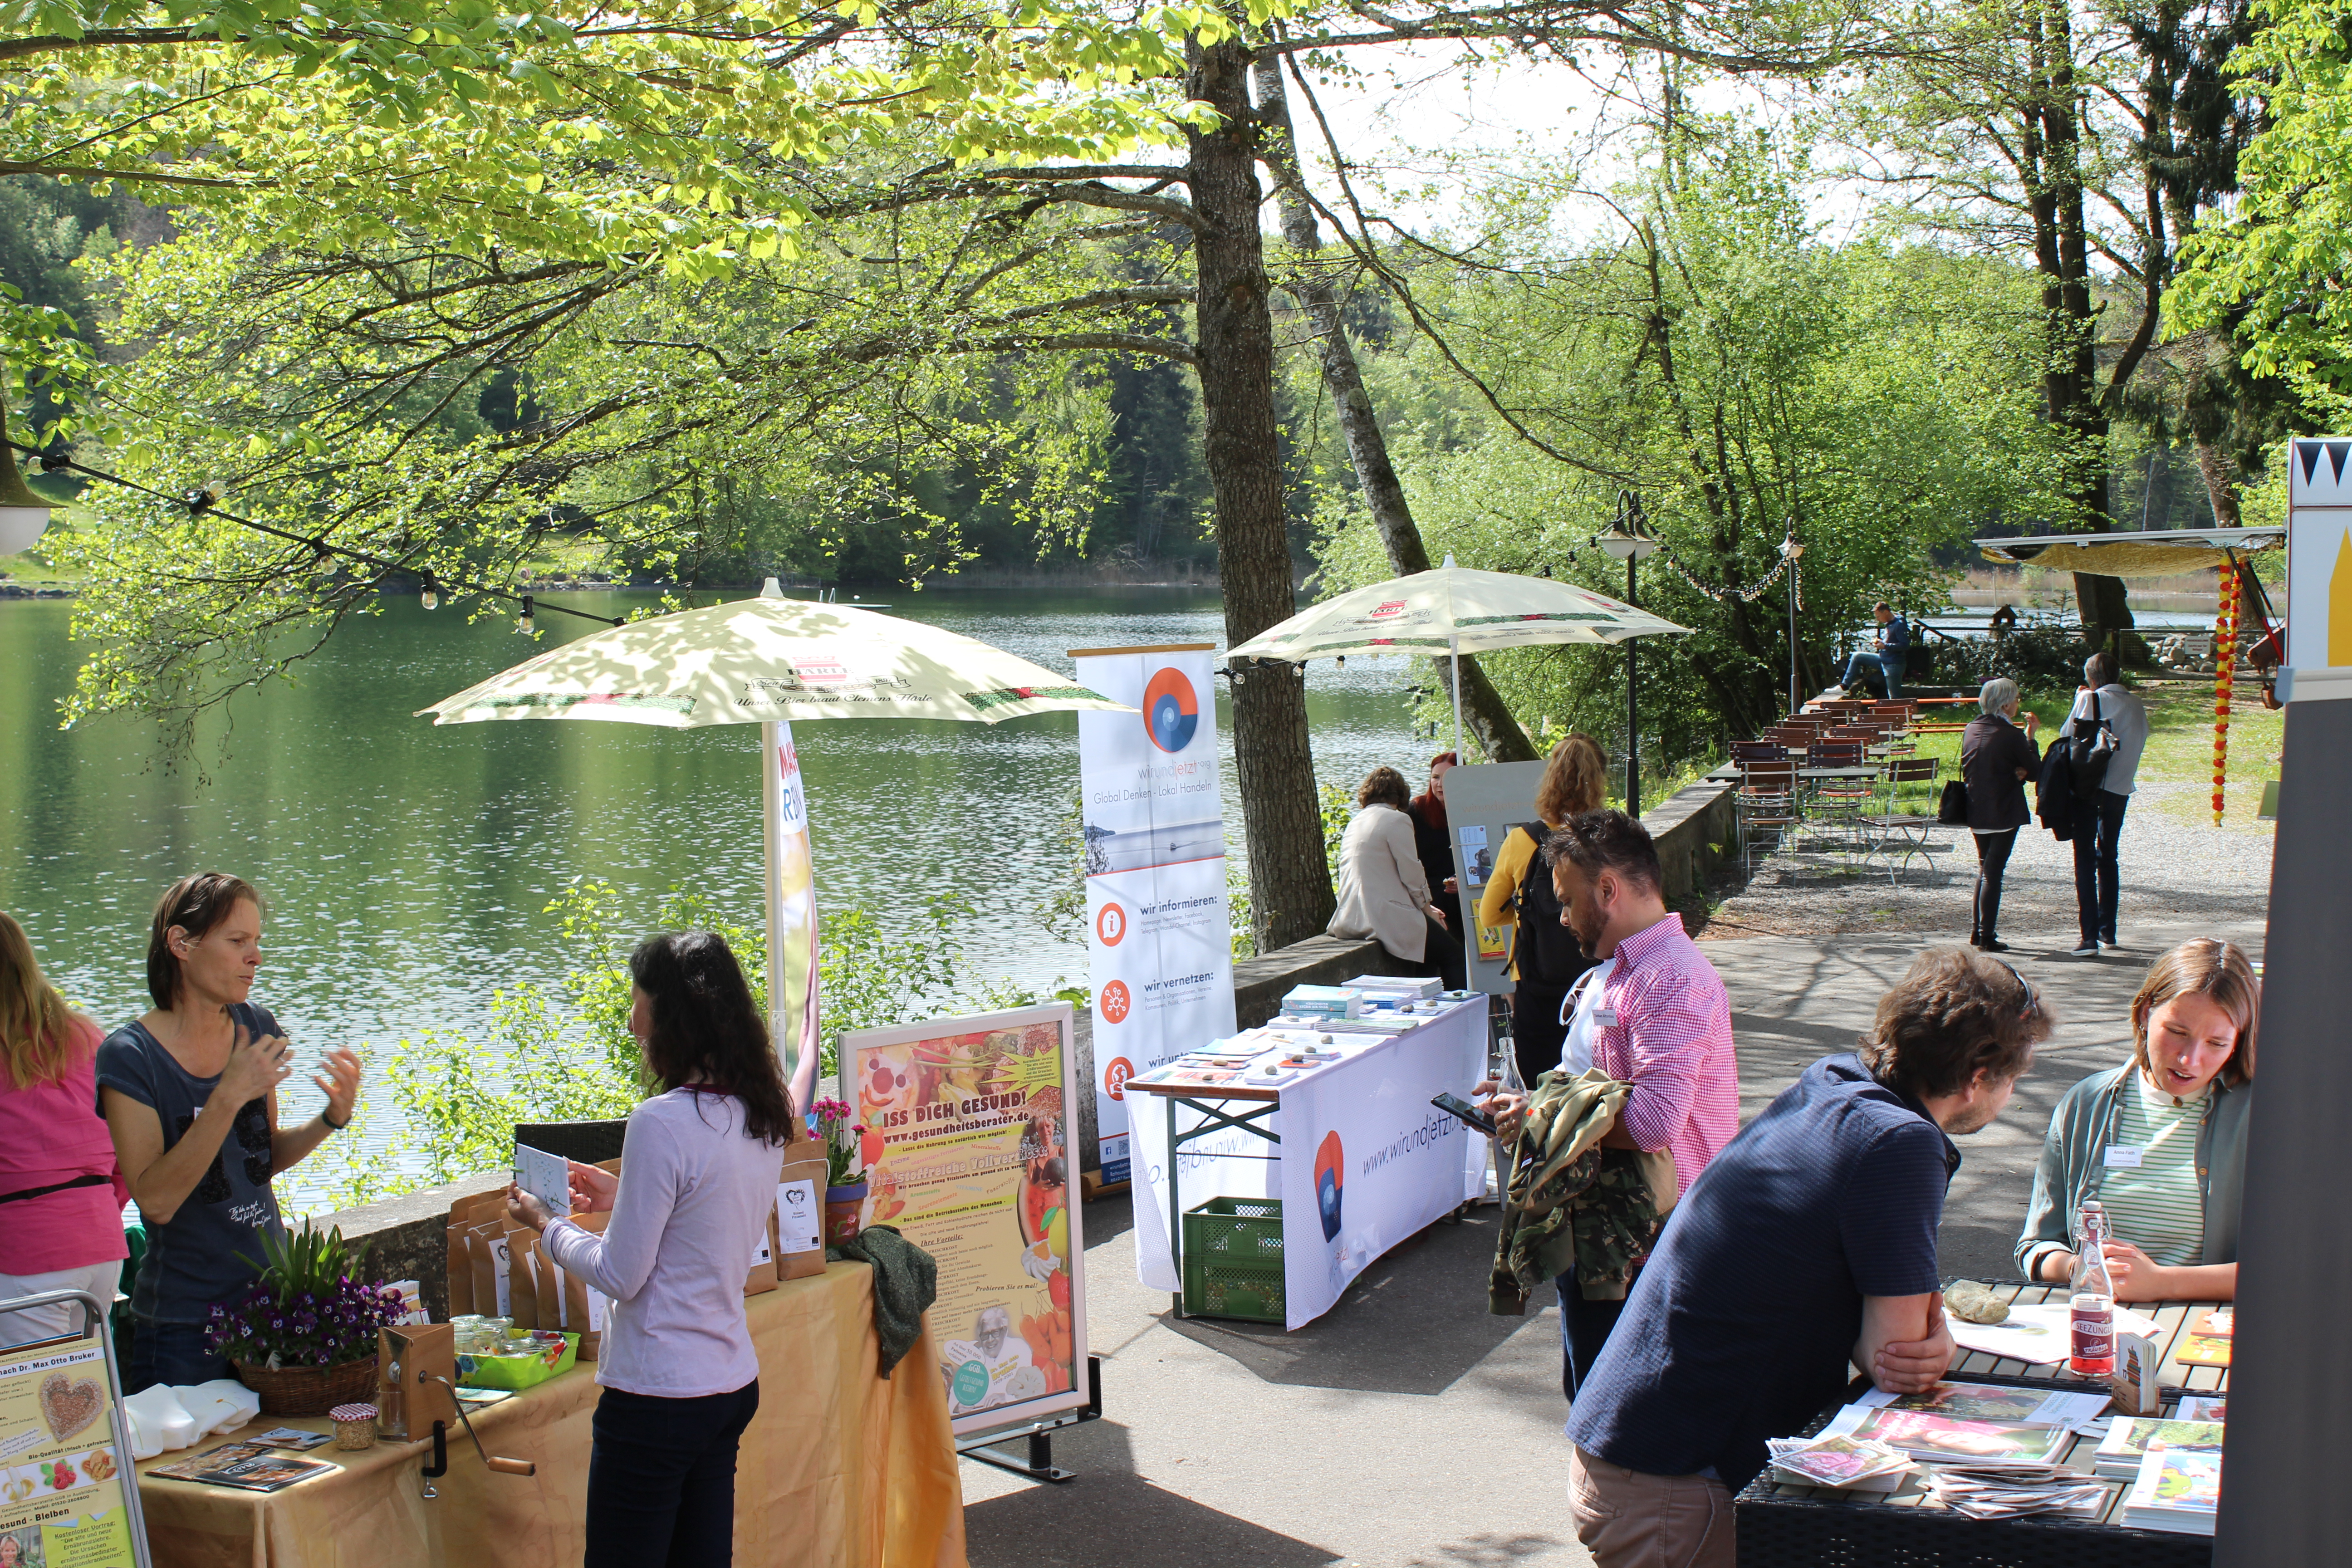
1807, 1248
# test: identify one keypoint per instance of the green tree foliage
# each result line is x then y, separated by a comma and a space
2271, 269
1752, 382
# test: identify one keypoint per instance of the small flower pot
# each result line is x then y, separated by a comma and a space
844, 1210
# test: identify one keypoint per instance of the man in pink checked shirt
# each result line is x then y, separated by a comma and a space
1656, 1016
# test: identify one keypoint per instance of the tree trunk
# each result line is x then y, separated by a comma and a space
1291, 882
2220, 476
1483, 712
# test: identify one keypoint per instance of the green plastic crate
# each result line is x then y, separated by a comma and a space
1232, 1259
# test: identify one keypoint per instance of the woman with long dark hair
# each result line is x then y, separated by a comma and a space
699, 1165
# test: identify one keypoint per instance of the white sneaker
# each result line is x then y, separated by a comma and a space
2088, 950
2106, 946
1833, 694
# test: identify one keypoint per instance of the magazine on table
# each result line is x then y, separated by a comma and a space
2203, 1407
1923, 1435
250, 1466
1842, 1463
2177, 1490
2131, 1436
1992, 1401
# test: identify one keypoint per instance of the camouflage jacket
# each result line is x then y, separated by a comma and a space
1572, 1202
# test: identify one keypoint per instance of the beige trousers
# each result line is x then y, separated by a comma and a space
1628, 1520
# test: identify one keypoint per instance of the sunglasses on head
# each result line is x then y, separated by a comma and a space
2032, 997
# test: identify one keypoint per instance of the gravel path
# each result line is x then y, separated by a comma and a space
2177, 869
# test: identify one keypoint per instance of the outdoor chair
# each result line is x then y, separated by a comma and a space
1768, 802
1765, 751
1894, 830
1835, 807
1834, 754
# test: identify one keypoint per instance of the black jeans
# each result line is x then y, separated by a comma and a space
1440, 955
1992, 860
661, 1479
1584, 1328
2098, 823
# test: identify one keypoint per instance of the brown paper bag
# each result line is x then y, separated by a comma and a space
461, 1273
522, 1278
584, 1305
762, 1277
486, 1246
800, 1212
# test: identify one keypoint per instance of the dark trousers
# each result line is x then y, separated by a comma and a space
1440, 955
1537, 1034
2099, 824
174, 1353
661, 1479
1584, 1328
1992, 860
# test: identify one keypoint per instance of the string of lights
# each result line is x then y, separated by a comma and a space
1788, 565
206, 504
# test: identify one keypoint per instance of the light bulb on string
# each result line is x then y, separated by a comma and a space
430, 596
525, 625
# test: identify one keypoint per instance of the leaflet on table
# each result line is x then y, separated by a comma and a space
249, 1467
2176, 1489
2203, 1407
1992, 1401
1925, 1435
61, 1489
2038, 1333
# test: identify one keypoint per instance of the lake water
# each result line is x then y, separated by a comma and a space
407, 866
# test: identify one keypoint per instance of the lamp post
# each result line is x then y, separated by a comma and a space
1790, 550
1628, 539
24, 514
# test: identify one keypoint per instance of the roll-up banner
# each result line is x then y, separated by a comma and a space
1159, 937
1483, 801
790, 896
968, 1157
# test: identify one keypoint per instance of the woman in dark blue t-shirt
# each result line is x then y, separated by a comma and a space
190, 1093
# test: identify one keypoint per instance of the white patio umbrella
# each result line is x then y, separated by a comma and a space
1453, 610
768, 661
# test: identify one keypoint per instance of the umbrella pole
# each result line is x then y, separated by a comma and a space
1468, 907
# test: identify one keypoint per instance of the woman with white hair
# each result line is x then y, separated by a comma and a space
1997, 756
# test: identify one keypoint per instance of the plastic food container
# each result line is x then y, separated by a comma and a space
520, 1363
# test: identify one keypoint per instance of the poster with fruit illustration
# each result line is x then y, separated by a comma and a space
968, 1155
62, 1491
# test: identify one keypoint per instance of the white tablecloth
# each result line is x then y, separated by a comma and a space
1365, 1159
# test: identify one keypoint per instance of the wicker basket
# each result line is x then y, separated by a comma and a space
310, 1390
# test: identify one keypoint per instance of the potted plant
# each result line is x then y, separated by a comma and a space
842, 1135
304, 1336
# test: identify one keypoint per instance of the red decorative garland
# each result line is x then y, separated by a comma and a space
2225, 660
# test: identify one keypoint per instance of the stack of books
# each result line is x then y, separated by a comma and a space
2130, 1437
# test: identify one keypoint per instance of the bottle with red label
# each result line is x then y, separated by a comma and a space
2093, 1297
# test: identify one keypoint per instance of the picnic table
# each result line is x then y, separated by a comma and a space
1800, 1527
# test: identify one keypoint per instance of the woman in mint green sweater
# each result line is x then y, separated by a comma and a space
2160, 1141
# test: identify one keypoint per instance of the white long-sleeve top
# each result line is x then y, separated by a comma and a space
692, 1205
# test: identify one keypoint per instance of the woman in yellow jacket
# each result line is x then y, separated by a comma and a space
1545, 958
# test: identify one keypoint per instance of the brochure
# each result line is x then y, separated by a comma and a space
2177, 1490
2203, 1407
292, 1437
1924, 1435
250, 1466
2203, 1349
2131, 1437
1992, 1401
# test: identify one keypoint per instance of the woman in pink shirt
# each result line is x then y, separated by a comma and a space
61, 1195
699, 1165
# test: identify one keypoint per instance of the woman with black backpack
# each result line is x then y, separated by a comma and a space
1546, 959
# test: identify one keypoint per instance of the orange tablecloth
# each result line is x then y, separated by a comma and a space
840, 1468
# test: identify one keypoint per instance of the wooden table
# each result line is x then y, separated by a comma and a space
839, 1469
1799, 1526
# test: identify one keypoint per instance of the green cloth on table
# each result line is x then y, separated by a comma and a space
1572, 1204
906, 1283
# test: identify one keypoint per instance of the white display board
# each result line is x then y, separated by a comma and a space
1159, 933
2319, 553
1365, 1161
1483, 801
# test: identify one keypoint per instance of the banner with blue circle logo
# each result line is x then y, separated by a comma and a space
1159, 933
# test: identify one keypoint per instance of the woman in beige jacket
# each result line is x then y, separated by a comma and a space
1383, 891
